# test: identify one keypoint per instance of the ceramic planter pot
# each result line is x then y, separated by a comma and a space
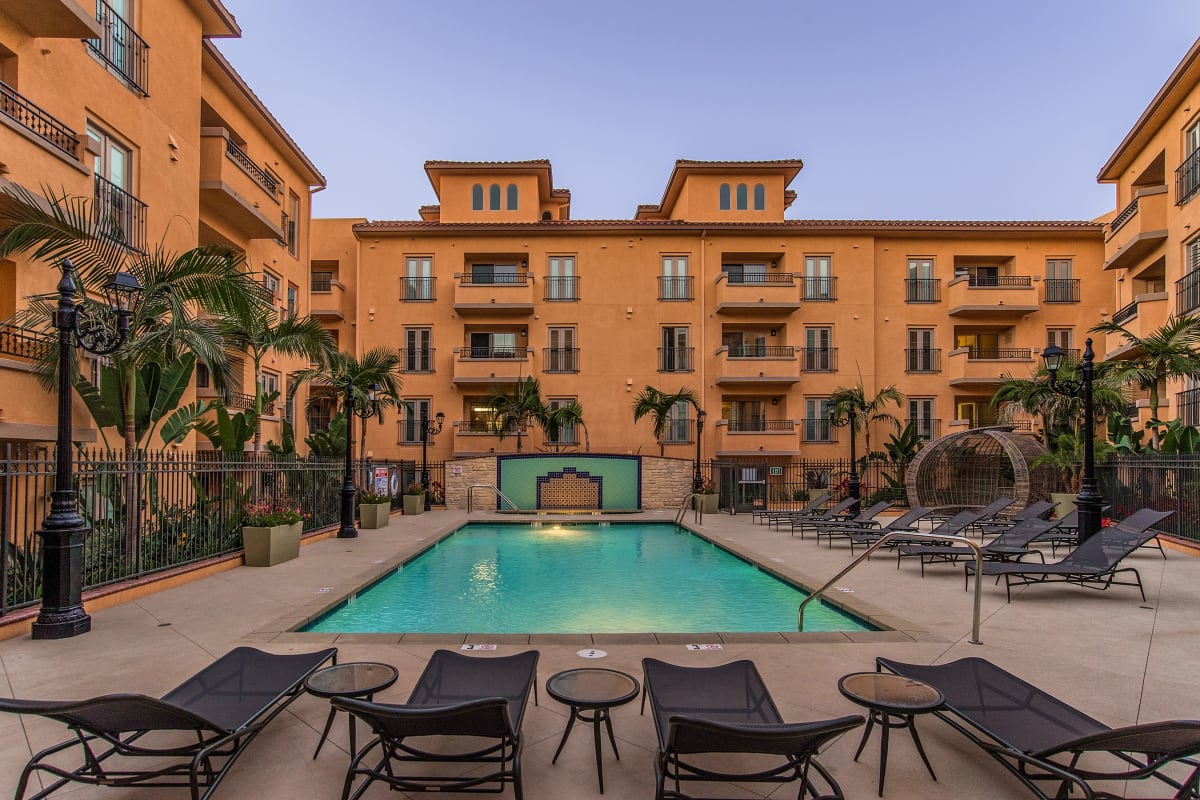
707, 503
1064, 503
266, 547
414, 504
374, 515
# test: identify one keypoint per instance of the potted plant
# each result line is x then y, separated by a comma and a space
271, 533
414, 499
706, 497
374, 509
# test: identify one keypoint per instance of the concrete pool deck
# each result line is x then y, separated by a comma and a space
1108, 653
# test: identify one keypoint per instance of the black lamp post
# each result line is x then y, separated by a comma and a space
363, 411
853, 486
63, 531
427, 430
1088, 502
698, 479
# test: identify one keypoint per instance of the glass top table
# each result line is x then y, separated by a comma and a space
355, 679
597, 690
892, 701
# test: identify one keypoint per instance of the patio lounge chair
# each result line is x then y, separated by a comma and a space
479, 700
225, 705
834, 513
950, 527
1011, 545
1094, 564
997, 525
703, 712
1042, 740
904, 522
863, 520
813, 507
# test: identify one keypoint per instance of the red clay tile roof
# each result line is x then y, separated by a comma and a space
533, 162
793, 224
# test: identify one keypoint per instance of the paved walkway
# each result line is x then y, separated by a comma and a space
1108, 653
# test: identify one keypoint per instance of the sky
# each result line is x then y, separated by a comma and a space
900, 109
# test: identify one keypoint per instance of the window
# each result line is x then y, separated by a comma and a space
1191, 139
568, 433
818, 285
1060, 286
410, 427
675, 355
203, 376
976, 414
744, 416
270, 283
289, 402
742, 197
1062, 338
818, 355
494, 345
679, 424
817, 415
921, 286
1187, 288
745, 273
495, 274
418, 354
418, 279
921, 417
561, 355
560, 283
979, 345
745, 344
292, 299
120, 47
116, 210
270, 385
760, 197
511, 197
723, 196
921, 355
675, 283
293, 238
494, 197
477, 197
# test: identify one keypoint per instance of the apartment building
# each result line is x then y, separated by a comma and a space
710, 289
1152, 240
130, 104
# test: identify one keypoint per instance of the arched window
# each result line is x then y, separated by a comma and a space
724, 193
760, 197
477, 197
511, 200
494, 197
741, 197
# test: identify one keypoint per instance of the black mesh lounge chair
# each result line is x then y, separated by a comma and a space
991, 512
904, 522
813, 507
863, 520
1012, 545
834, 513
1094, 564
479, 700
225, 705
703, 712
998, 524
950, 527
1047, 743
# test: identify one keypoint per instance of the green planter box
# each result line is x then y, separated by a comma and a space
374, 515
707, 503
414, 504
266, 547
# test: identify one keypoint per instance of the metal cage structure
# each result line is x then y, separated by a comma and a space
972, 468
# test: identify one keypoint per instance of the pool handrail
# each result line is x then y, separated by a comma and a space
698, 518
495, 489
908, 535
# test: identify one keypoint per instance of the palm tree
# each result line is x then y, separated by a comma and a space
555, 419
850, 405
660, 406
514, 412
263, 331
379, 366
1167, 353
1060, 412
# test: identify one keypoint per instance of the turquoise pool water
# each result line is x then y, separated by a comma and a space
585, 578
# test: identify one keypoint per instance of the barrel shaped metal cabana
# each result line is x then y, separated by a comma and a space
972, 468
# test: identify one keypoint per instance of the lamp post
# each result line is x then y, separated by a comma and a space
1088, 502
428, 430
363, 411
698, 479
853, 486
63, 531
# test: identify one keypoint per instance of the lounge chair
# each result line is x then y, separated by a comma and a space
1012, 545
480, 700
226, 705
1094, 564
727, 709
950, 527
834, 513
998, 525
1041, 739
863, 520
904, 522
991, 512
813, 507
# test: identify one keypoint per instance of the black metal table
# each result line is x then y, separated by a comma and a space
596, 690
892, 701
358, 679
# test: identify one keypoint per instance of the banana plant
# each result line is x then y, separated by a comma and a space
230, 433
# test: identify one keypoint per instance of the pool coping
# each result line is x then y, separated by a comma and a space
285, 629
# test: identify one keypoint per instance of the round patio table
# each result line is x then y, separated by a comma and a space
596, 690
359, 679
892, 701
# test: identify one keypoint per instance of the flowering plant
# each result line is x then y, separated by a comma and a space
1105, 522
415, 488
437, 493
268, 514
707, 487
370, 496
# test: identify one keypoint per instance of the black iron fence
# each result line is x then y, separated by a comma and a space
1165, 483
743, 485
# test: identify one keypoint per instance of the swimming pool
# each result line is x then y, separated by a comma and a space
578, 578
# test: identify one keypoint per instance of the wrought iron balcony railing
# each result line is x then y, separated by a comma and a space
560, 359
675, 287
752, 350
1187, 178
492, 353
1126, 313
925, 428
32, 118
675, 359
1129, 213
922, 360
244, 402
819, 430
494, 279
260, 176
761, 425
321, 282
821, 289
121, 48
1187, 293
922, 290
999, 280
417, 359
679, 431
760, 278
417, 290
120, 215
562, 288
820, 359
995, 353
1062, 290
1187, 405
27, 344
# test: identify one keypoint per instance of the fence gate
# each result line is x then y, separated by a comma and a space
743, 487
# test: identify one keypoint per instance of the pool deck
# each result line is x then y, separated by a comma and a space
1107, 653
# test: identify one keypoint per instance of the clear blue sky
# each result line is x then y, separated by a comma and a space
955, 109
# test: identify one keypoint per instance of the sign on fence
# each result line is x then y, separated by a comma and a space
382, 480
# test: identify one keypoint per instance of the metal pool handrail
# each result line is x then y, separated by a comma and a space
699, 518
499, 493
907, 535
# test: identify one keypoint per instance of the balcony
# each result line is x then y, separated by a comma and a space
676, 359
679, 431
119, 215
30, 118
1141, 317
24, 344
496, 294
1187, 407
490, 365
926, 429
120, 48
418, 290
236, 189
819, 359
1187, 178
417, 359
560, 359
752, 364
1139, 230
771, 294
53, 19
561, 289
818, 430
1061, 290
1187, 293
922, 290
244, 402
756, 436
673, 288
922, 360
980, 368
819, 290
978, 296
